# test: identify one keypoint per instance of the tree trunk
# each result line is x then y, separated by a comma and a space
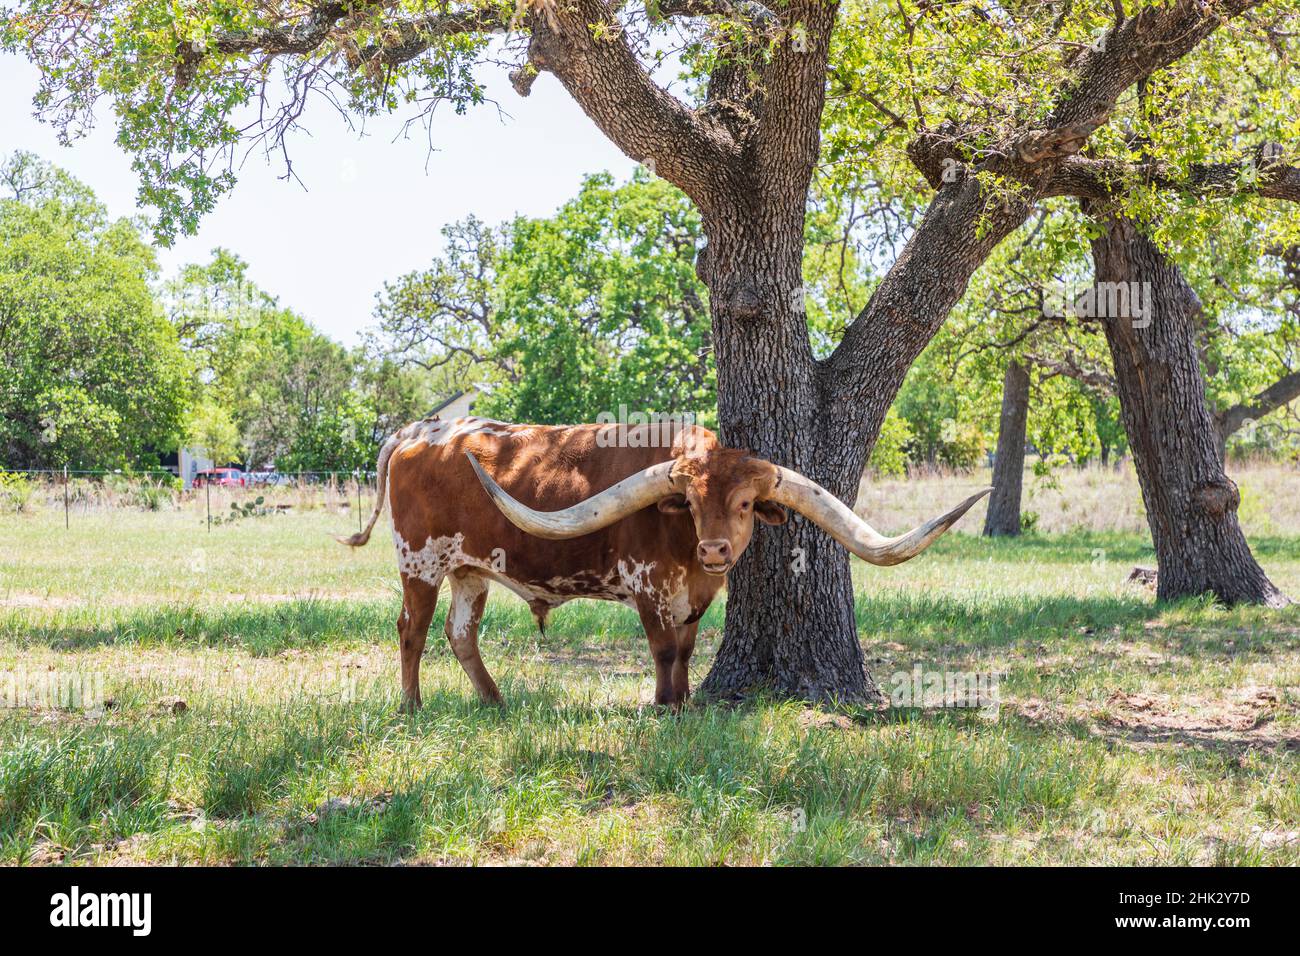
1191, 503
1003, 517
790, 622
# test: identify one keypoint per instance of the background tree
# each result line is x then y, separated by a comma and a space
1191, 502
1196, 147
91, 373
1003, 516
272, 390
560, 319
1014, 342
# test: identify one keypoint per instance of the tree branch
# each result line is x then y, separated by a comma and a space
300, 36
1070, 368
587, 53
1131, 51
1135, 48
581, 42
1263, 174
1282, 392
965, 221
403, 39
788, 139
696, 8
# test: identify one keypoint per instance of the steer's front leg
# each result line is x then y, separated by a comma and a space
681, 667
663, 648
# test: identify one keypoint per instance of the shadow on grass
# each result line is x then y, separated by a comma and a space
964, 617
463, 779
1078, 547
986, 621
307, 623
1223, 742
904, 616
1075, 547
1240, 632
258, 628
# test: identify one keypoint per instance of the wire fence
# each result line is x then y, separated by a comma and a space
218, 499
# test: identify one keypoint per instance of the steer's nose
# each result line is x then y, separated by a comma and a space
715, 553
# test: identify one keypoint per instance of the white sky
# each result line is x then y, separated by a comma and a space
373, 206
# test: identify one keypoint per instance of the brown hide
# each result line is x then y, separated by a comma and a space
446, 527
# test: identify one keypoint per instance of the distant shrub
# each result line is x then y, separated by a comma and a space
18, 492
151, 497
962, 448
145, 493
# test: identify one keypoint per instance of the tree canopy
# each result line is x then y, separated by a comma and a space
91, 372
273, 391
563, 318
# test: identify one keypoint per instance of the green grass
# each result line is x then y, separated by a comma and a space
1126, 732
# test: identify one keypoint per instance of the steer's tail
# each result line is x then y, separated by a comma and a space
381, 495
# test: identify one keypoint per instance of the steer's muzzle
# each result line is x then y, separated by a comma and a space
714, 555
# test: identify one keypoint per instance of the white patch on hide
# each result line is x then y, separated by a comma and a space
438, 432
465, 591
679, 601
431, 563
629, 582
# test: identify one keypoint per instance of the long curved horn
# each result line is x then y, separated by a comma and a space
838, 520
599, 511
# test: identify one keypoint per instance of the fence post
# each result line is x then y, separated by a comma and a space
207, 488
356, 475
67, 522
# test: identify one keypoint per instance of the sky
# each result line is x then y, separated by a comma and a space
373, 205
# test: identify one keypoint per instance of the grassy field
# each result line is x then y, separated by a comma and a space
249, 682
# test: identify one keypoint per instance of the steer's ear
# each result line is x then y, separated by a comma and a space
769, 512
674, 505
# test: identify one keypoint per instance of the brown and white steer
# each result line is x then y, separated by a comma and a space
652, 517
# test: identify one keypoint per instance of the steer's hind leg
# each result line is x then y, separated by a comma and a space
419, 600
468, 598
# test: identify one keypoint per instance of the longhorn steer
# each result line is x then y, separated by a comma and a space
627, 516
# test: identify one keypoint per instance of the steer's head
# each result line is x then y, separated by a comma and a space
723, 489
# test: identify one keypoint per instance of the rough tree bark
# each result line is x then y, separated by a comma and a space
746, 159
1003, 517
790, 622
1191, 503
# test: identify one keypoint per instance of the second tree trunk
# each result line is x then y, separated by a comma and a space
1149, 314
1003, 516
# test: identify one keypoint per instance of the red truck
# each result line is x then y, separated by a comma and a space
221, 478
